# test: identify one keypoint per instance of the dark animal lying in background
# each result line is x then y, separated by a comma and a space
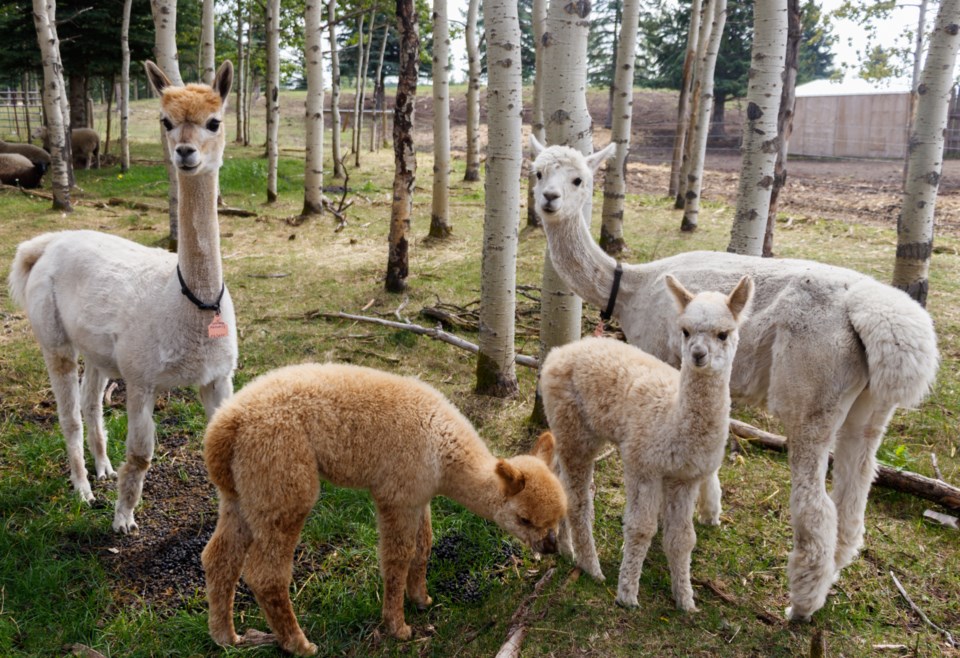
34, 154
16, 169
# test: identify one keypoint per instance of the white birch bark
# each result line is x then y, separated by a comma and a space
440, 206
44, 20
239, 72
335, 148
615, 184
165, 56
208, 54
273, 97
473, 94
686, 91
362, 93
125, 87
703, 41
378, 97
496, 372
313, 163
701, 122
760, 130
539, 19
925, 164
357, 95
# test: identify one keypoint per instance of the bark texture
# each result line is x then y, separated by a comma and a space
686, 92
539, 20
440, 207
44, 19
165, 55
125, 86
335, 148
313, 118
208, 52
472, 172
273, 97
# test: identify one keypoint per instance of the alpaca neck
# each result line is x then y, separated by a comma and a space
703, 407
585, 267
469, 477
199, 235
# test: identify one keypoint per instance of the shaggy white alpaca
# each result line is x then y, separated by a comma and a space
830, 351
156, 319
670, 427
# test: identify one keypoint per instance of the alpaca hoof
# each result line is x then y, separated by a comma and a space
86, 494
710, 520
403, 632
687, 606
627, 601
124, 523
593, 570
106, 473
424, 604
796, 616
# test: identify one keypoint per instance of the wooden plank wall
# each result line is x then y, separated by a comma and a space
869, 126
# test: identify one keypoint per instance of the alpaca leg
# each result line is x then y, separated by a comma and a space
398, 528
91, 395
141, 436
679, 538
417, 576
64, 380
214, 393
576, 532
639, 527
708, 503
222, 560
854, 467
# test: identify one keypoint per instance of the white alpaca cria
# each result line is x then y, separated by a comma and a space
830, 351
123, 307
670, 427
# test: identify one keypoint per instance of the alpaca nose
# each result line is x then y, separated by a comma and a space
185, 151
549, 543
699, 355
551, 196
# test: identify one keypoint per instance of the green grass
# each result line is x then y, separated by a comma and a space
57, 585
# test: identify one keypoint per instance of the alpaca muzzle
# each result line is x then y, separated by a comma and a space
548, 544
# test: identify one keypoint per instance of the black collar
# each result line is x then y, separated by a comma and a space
193, 298
607, 313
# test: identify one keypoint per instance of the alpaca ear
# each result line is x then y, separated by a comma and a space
543, 448
680, 294
597, 159
536, 146
512, 480
224, 80
158, 79
739, 299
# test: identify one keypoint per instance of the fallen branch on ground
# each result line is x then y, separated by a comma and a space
518, 630
890, 478
17, 188
913, 606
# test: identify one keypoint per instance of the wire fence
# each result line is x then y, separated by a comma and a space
20, 113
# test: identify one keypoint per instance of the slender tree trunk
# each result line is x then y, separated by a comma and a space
568, 123
362, 90
473, 94
313, 163
273, 97
336, 152
208, 55
357, 96
249, 80
44, 19
615, 184
539, 20
405, 157
701, 124
683, 104
760, 138
376, 126
241, 78
125, 88
440, 208
707, 8
106, 142
25, 86
915, 80
788, 100
165, 54
496, 371
915, 225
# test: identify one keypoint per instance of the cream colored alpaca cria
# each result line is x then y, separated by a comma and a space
125, 308
830, 351
670, 428
268, 448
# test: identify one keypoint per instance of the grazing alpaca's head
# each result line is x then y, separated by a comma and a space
564, 179
192, 117
708, 324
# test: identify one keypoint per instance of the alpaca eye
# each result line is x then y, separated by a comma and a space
213, 125
686, 334
539, 176
524, 522
167, 123
577, 181
722, 335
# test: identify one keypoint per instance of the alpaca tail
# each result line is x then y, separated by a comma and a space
28, 253
900, 343
218, 443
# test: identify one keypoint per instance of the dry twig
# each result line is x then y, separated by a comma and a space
518, 629
922, 615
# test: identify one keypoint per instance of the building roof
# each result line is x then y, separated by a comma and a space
852, 87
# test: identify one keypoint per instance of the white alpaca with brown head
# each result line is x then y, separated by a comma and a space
158, 320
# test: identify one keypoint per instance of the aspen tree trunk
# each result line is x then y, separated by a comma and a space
683, 104
362, 91
760, 140
707, 8
208, 54
568, 122
273, 97
440, 209
44, 19
377, 124
405, 157
165, 55
125, 87
357, 102
788, 100
919, 35
473, 94
335, 149
539, 20
701, 122
915, 225
239, 73
615, 184
248, 79
313, 163
496, 372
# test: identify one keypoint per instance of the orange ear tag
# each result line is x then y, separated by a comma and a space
218, 328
